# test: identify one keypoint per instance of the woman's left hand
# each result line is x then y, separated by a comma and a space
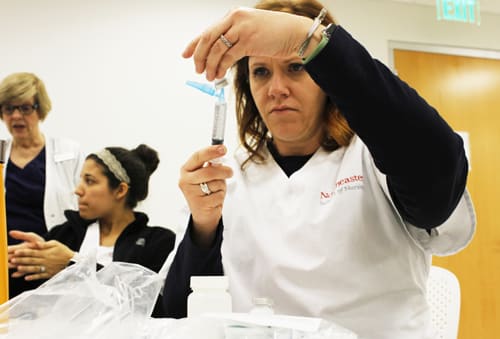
29, 240
38, 259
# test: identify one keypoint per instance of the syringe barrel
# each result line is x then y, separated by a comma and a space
219, 123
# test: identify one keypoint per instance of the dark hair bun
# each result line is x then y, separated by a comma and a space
148, 156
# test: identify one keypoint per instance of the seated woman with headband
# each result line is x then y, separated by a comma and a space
112, 182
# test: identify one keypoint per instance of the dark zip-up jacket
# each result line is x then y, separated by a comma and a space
138, 243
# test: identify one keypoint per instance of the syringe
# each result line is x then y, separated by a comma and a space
219, 123
220, 109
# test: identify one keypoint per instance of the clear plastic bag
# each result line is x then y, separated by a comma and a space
116, 301
79, 302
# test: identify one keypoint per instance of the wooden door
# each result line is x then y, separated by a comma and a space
466, 91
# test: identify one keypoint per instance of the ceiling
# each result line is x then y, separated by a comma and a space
486, 6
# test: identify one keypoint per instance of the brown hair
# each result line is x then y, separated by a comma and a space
138, 163
251, 128
24, 86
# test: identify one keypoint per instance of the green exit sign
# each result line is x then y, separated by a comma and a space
458, 10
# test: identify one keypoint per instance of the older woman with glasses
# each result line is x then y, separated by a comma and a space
41, 172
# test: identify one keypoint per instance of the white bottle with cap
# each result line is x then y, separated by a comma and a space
209, 295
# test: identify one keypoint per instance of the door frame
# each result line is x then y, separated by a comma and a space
439, 49
479, 306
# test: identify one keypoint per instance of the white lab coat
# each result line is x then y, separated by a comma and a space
328, 242
64, 161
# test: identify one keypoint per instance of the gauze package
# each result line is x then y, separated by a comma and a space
79, 302
244, 326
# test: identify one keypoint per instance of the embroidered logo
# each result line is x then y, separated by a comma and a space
352, 183
141, 242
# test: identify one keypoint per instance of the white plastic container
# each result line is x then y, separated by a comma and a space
209, 295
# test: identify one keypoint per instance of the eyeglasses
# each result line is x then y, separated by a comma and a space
25, 109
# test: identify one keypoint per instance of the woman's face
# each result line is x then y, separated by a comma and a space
289, 102
95, 199
22, 126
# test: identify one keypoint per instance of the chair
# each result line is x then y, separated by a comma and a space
443, 296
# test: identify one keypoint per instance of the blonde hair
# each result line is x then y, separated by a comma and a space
24, 86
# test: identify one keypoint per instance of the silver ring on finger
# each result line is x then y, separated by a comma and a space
226, 42
42, 269
205, 189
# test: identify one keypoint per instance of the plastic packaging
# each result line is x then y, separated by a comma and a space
243, 326
209, 295
79, 302
278, 326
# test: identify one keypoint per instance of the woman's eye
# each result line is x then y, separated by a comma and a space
260, 72
296, 67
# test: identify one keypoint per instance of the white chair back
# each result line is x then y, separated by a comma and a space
443, 296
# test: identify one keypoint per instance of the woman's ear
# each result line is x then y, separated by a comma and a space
122, 190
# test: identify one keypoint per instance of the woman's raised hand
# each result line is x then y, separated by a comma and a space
246, 32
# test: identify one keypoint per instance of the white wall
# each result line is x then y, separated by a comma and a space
115, 75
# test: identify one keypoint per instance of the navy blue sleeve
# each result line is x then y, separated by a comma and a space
190, 260
423, 158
